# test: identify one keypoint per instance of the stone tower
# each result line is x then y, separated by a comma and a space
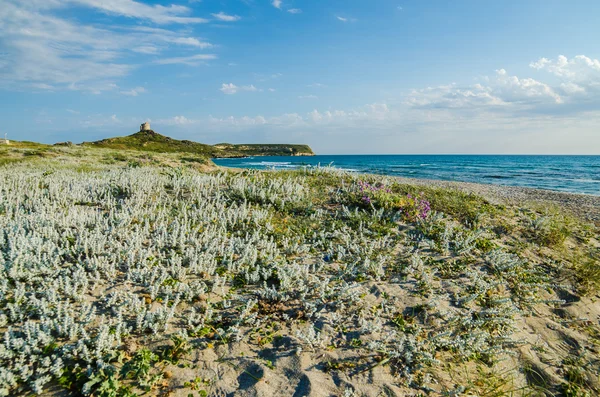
145, 127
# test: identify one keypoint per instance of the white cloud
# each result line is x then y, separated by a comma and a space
308, 97
276, 3
177, 121
191, 41
236, 122
133, 9
147, 49
499, 92
345, 19
381, 128
579, 76
230, 89
369, 114
294, 11
575, 68
193, 60
134, 91
45, 49
514, 89
226, 18
572, 88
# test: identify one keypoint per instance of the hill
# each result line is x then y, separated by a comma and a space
152, 141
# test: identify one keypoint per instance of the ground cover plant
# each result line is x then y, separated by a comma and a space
149, 276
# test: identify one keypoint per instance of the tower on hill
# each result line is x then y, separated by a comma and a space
145, 127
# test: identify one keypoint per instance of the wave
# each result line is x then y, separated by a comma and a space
270, 163
584, 180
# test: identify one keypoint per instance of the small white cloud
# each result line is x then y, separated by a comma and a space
316, 85
276, 3
191, 41
176, 120
134, 92
182, 120
114, 118
399, 8
272, 90
193, 60
72, 111
230, 89
226, 18
308, 97
345, 19
294, 11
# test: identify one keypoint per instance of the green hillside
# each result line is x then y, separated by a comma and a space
151, 141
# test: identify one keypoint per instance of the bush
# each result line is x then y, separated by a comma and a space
379, 196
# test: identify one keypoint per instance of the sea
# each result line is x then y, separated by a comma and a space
574, 174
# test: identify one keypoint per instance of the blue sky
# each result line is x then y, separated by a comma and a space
350, 76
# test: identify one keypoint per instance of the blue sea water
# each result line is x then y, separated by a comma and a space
575, 174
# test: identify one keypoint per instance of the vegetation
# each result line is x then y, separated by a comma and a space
153, 142
127, 273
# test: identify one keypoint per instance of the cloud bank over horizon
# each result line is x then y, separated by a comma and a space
85, 69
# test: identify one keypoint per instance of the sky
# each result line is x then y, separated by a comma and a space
343, 76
